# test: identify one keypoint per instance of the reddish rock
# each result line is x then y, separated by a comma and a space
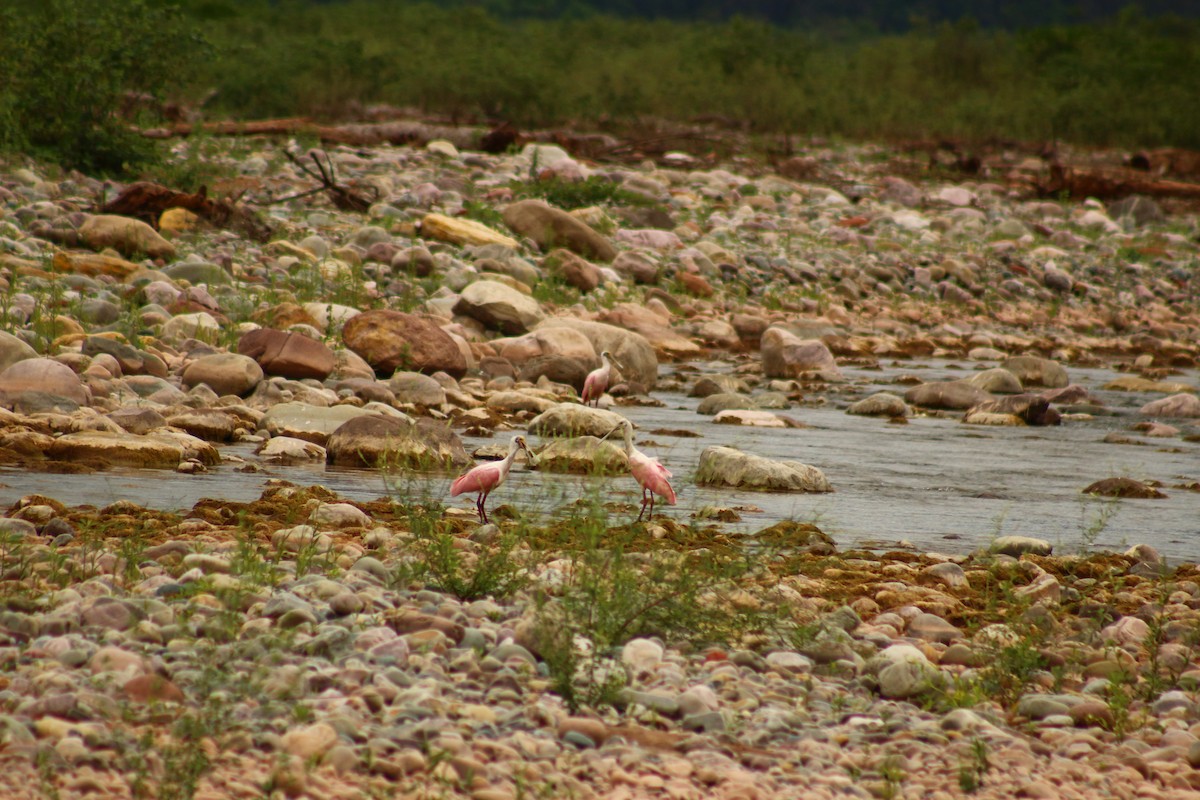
43, 375
289, 355
574, 270
391, 340
153, 689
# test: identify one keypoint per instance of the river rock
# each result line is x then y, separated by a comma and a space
1036, 371
583, 455
152, 451
138, 420
639, 363
550, 227
209, 424
391, 340
417, 389
1123, 487
726, 466
308, 422
786, 355
43, 375
996, 381
707, 385
573, 419
457, 230
880, 404
559, 369
131, 360
946, 394
1023, 409
129, 237
572, 269
723, 401
374, 440
287, 354
287, 450
1177, 405
499, 307
13, 350
224, 373
1017, 546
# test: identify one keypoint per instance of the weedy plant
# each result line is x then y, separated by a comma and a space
611, 593
972, 772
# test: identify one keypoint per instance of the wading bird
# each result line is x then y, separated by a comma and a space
486, 477
647, 471
597, 380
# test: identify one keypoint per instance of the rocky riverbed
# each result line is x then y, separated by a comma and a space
298, 642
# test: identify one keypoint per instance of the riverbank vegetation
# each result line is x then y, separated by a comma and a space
1121, 81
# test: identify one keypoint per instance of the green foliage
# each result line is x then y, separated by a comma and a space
568, 195
69, 67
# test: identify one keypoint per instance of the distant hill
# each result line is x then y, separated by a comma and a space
867, 15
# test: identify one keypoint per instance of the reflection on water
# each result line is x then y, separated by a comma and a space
935, 483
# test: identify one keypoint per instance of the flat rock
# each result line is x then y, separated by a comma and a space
726, 466
129, 237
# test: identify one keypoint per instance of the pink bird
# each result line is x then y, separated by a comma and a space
486, 477
597, 380
647, 471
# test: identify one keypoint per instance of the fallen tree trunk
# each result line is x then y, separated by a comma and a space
147, 201
1111, 184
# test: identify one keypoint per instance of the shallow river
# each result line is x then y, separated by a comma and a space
933, 484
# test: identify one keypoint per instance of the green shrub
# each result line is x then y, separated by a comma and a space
71, 66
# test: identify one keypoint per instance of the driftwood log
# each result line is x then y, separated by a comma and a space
1111, 184
147, 201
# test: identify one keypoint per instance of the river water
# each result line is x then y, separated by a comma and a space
933, 484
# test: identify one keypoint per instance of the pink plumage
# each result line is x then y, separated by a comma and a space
486, 477
596, 383
648, 472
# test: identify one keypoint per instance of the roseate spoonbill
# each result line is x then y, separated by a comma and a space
486, 477
597, 380
646, 470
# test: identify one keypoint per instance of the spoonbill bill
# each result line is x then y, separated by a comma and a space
486, 477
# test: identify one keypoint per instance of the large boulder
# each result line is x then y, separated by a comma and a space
559, 369
1177, 405
391, 340
573, 419
499, 307
288, 354
43, 375
786, 355
726, 466
957, 395
209, 424
375, 440
224, 373
308, 422
129, 237
1036, 371
639, 364
652, 326
583, 455
551, 227
548, 341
